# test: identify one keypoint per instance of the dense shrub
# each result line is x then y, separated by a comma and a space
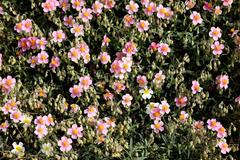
119, 79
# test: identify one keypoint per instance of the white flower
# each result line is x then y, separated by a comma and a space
147, 93
26, 120
47, 149
18, 149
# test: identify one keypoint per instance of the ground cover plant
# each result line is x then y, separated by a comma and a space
119, 79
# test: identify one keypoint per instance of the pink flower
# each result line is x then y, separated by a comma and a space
85, 82
23, 44
77, 30
183, 116
222, 81
8, 84
64, 5
221, 132
108, 4
75, 131
132, 7
106, 40
68, 21
77, 4
40, 121
126, 64
155, 113
102, 127
4, 126
33, 61
128, 20
86, 57
224, 147
83, 48
126, 100
76, 91
16, 116
217, 48
164, 107
58, 36
65, 144
1, 59
213, 124
118, 87
215, 33
164, 49
50, 5
207, 6
198, 125
55, 63
91, 111
27, 25
97, 7
161, 11
196, 87
1, 11
142, 81
217, 10
42, 57
41, 43
237, 100
18, 27
130, 48
145, 2
142, 26
157, 126
41, 131
110, 121
32, 42
49, 120
227, 2
116, 67
159, 78
108, 96
196, 18
104, 57
153, 47
150, 8
10, 106
85, 14
181, 101
74, 54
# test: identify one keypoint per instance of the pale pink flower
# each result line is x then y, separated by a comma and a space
169, 13
91, 111
33, 61
85, 82
75, 131
106, 40
183, 116
126, 64
224, 147
217, 48
83, 48
8, 84
222, 81
10, 106
102, 127
128, 20
126, 100
55, 63
104, 57
164, 107
145, 2
142, 26
74, 108
196, 18
198, 125
116, 67
85, 14
132, 7
213, 124
41, 43
130, 48
77, 30
64, 5
161, 11
108, 96
58, 36
221, 132
49, 120
150, 8
1, 11
97, 7
76, 91
196, 87
155, 113
181, 101
74, 54
18, 27
65, 144
227, 2
86, 57
108, 4
164, 49
41, 131
77, 4
142, 81
42, 57
237, 100
27, 25
16, 116
110, 121
159, 78
50, 5
40, 121
157, 126
217, 10
68, 21
4, 126
215, 33
118, 87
